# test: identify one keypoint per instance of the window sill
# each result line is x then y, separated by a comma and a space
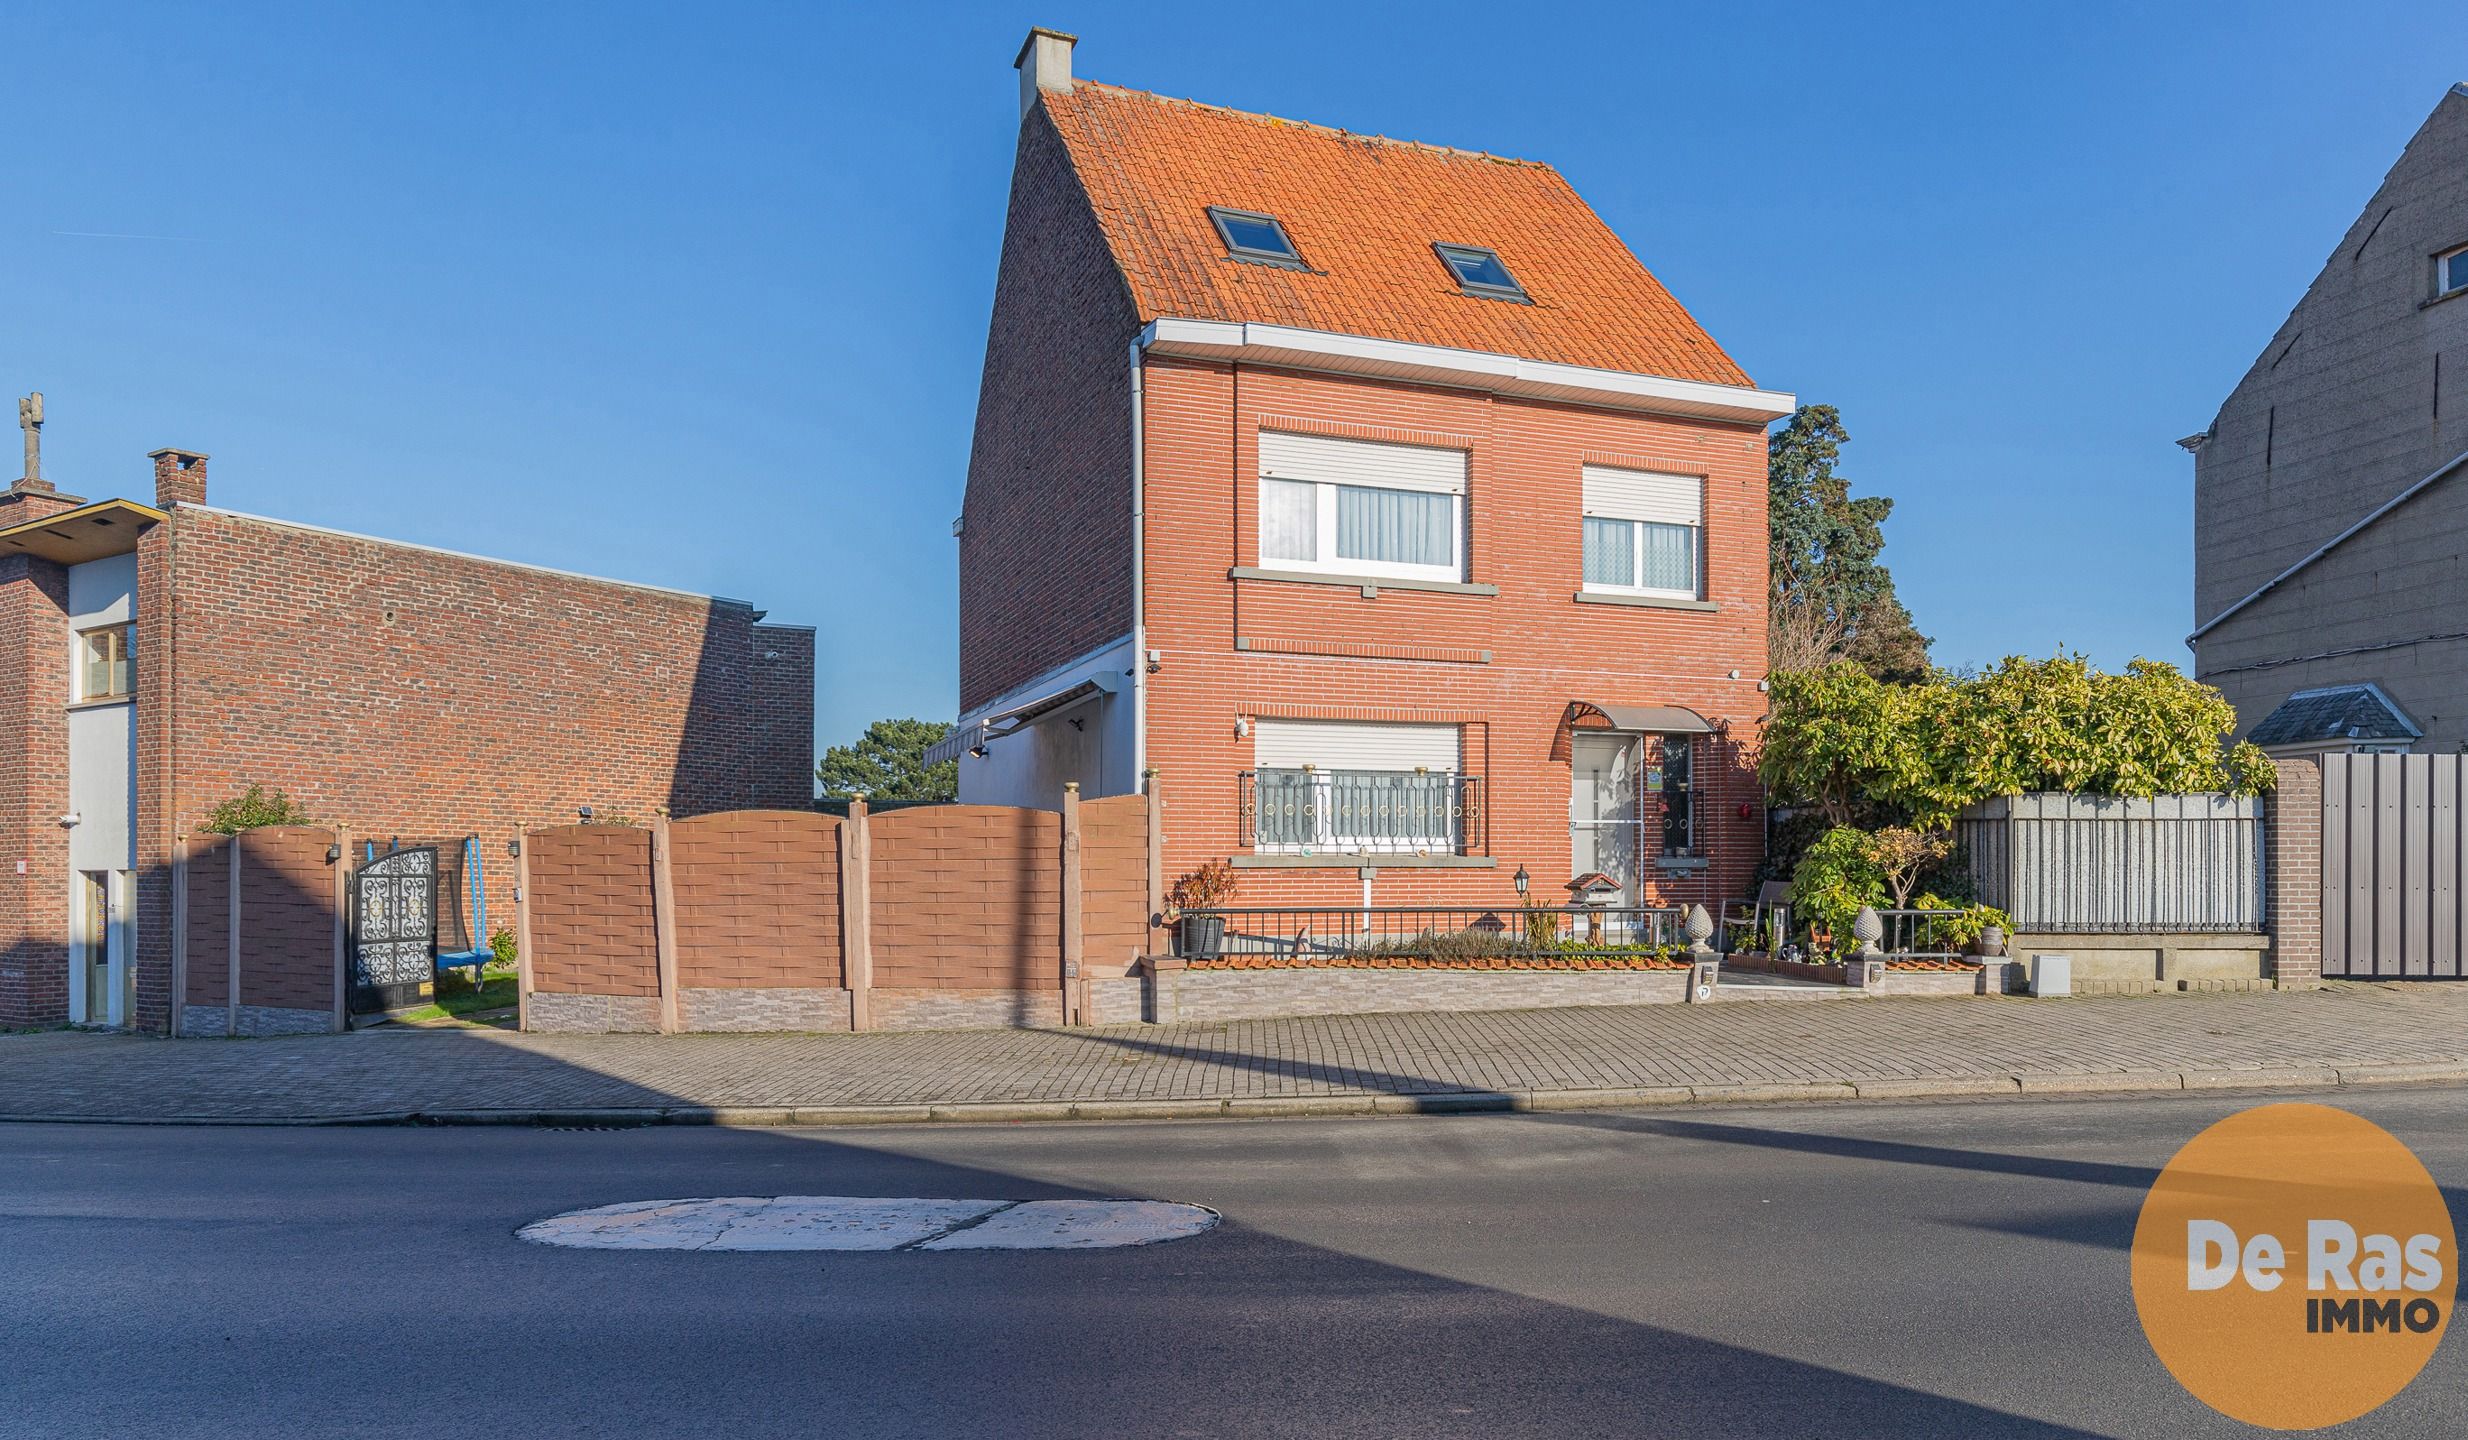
106, 703
1369, 584
1357, 860
1644, 602
1698, 863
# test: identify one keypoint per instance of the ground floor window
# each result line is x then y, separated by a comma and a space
1325, 785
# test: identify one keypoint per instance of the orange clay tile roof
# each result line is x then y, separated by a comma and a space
1364, 212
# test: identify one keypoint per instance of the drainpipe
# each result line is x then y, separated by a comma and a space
1139, 613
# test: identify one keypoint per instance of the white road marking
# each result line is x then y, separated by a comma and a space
849, 1222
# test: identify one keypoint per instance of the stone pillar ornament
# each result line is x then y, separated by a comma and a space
1867, 928
1699, 926
30, 420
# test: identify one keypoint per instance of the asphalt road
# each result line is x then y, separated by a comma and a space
1953, 1269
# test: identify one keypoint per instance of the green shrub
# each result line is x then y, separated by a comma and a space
502, 945
1835, 878
254, 810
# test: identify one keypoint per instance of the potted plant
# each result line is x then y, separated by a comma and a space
1200, 935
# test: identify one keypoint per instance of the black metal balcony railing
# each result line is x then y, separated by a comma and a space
1372, 812
1467, 933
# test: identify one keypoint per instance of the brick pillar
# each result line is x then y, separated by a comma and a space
34, 791
2292, 846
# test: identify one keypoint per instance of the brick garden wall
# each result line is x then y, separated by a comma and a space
409, 692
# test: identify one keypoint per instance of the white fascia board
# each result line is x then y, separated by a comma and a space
1466, 369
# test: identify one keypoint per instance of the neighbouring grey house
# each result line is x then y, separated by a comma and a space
2331, 491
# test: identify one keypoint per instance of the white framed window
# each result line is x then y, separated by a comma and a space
1361, 507
2451, 272
1644, 533
106, 663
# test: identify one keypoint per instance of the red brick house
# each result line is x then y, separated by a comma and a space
1372, 496
156, 660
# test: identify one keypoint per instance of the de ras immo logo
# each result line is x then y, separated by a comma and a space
2294, 1266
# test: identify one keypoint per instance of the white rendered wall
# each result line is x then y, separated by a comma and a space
1030, 768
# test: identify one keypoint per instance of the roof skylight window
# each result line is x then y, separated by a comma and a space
1251, 236
1481, 272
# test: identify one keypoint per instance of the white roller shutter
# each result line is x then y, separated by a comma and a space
1642, 495
1333, 745
1361, 462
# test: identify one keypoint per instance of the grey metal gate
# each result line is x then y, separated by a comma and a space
2394, 870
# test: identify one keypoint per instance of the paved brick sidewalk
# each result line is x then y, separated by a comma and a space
1537, 1058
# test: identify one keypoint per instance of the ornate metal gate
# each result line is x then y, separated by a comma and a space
393, 929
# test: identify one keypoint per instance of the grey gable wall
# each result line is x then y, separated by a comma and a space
2340, 412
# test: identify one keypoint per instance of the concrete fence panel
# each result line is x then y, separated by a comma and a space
206, 930
261, 933
594, 955
759, 943
1114, 880
966, 917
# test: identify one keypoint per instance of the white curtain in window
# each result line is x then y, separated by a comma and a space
1670, 553
1289, 520
1400, 527
1610, 552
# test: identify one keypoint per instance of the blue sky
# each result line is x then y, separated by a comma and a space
696, 294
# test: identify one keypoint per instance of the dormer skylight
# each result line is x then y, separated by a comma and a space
1249, 235
1480, 272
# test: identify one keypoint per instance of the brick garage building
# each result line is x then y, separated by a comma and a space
1370, 494
156, 660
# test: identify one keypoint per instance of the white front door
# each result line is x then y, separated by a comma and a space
1604, 831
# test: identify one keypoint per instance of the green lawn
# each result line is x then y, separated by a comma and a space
456, 1000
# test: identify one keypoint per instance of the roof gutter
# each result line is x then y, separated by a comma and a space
1322, 350
2327, 546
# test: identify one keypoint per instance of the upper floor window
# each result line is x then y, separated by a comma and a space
1252, 236
1644, 533
106, 663
1361, 507
1481, 273
2451, 272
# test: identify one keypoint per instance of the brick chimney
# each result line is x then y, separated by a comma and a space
1044, 63
179, 477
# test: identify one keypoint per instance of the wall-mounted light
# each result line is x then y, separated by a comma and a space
334, 853
515, 848
585, 812
1242, 727
977, 750
1523, 880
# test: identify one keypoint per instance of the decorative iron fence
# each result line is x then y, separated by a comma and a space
1780, 931
2179, 863
1370, 812
1426, 932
